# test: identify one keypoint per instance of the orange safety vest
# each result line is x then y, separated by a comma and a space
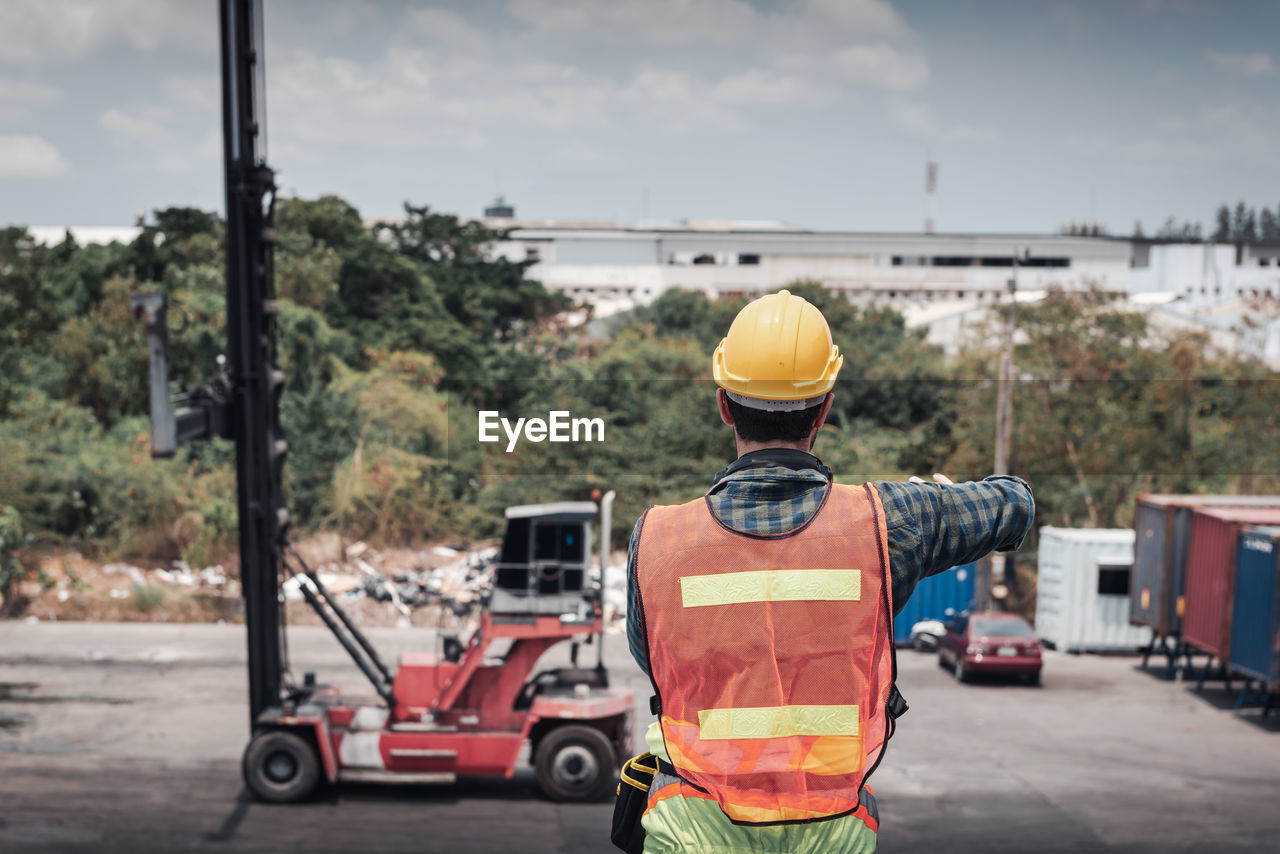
772, 656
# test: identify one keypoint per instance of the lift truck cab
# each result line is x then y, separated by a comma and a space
469, 709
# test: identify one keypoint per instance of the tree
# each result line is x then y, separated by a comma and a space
1186, 231
1268, 228
1137, 230
1222, 225
1239, 219
12, 538
681, 313
1249, 229
486, 294
1109, 406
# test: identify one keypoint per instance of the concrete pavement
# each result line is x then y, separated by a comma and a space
128, 737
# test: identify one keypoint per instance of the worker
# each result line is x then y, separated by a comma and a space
761, 611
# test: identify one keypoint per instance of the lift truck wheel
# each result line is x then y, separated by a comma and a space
280, 767
575, 763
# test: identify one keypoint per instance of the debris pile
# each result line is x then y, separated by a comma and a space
69, 586
615, 596
179, 574
458, 586
434, 585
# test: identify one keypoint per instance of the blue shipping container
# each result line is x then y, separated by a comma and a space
936, 598
1255, 621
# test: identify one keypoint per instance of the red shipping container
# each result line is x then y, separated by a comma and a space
1211, 574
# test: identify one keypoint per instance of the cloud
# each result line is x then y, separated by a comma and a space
1070, 18
968, 133
883, 66
19, 97
1256, 64
576, 155
800, 50
1178, 7
413, 99
30, 156
767, 87
177, 134
677, 101
1244, 130
446, 80
132, 126
38, 31
635, 22
861, 17
913, 117
1093, 144
1235, 134
919, 120
440, 26
710, 23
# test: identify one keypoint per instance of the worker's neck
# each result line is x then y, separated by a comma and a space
746, 447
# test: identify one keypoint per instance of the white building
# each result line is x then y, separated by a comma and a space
51, 235
946, 283
1204, 274
613, 265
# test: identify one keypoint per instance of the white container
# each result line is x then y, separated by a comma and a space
1082, 594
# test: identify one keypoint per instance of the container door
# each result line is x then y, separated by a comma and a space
1147, 584
1252, 628
1114, 575
1177, 570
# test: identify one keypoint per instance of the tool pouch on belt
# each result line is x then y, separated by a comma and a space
633, 794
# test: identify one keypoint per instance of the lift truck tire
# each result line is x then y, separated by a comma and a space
575, 763
280, 767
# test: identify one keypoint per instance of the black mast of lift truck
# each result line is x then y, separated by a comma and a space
242, 402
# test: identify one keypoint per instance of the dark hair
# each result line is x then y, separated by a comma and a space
759, 425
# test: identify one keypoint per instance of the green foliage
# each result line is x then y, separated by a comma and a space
489, 297
689, 314
13, 536
1106, 407
147, 598
378, 330
393, 337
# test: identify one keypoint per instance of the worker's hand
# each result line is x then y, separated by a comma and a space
937, 478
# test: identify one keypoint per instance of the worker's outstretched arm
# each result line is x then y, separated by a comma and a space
935, 526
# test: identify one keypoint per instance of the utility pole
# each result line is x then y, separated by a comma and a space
1004, 399
991, 570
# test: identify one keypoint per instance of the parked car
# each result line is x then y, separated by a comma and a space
990, 642
925, 634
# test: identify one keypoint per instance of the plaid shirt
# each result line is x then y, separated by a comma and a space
931, 527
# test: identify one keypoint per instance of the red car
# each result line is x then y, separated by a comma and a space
990, 642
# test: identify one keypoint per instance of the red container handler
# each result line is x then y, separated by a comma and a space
1211, 569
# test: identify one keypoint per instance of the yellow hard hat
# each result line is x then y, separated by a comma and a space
778, 354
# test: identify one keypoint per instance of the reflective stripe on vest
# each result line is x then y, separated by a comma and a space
772, 656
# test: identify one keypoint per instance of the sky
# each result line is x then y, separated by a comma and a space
820, 113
